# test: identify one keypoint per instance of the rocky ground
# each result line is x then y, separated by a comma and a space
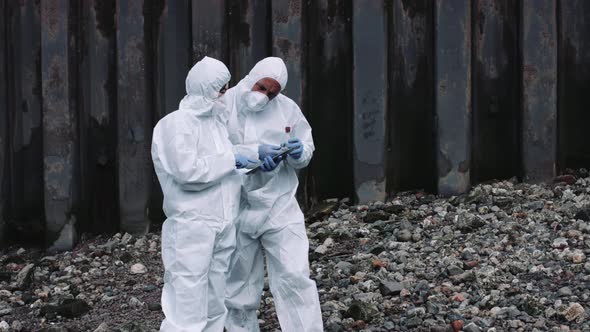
505, 257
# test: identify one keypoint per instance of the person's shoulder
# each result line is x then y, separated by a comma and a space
289, 106
174, 121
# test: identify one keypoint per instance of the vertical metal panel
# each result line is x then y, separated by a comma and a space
539, 83
574, 87
453, 94
329, 103
133, 117
496, 108
411, 155
248, 35
208, 30
4, 197
98, 128
287, 43
370, 98
25, 132
59, 126
174, 52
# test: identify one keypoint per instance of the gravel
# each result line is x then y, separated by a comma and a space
505, 256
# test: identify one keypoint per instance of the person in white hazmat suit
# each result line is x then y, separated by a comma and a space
270, 216
196, 168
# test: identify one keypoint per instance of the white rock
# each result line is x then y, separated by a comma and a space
322, 249
126, 238
103, 328
17, 326
135, 302
138, 269
560, 243
4, 326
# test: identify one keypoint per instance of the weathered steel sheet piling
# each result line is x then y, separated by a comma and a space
209, 30
4, 197
134, 118
98, 128
411, 150
496, 107
574, 87
539, 89
23, 38
370, 98
248, 35
329, 99
60, 132
287, 43
174, 55
401, 95
453, 94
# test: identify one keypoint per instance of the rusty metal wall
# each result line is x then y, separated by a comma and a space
402, 95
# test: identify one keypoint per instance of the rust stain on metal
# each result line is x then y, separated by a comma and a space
442, 86
413, 8
55, 79
529, 73
50, 18
105, 11
444, 164
464, 166
286, 48
295, 8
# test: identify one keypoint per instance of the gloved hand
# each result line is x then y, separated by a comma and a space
295, 143
265, 150
242, 161
268, 164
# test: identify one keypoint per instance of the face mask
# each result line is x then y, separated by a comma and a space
255, 101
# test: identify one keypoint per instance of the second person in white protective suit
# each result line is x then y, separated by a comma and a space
270, 217
195, 164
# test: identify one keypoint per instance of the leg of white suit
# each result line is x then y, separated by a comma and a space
244, 285
218, 273
295, 294
187, 249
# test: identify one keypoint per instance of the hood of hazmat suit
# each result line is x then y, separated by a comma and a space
271, 195
195, 165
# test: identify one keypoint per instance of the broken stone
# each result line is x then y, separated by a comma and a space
560, 243
67, 238
126, 238
373, 216
23, 278
388, 288
138, 268
573, 312
104, 327
404, 235
69, 308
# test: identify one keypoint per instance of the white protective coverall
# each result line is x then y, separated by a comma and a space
195, 164
270, 216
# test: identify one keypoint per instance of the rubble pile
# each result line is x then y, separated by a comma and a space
505, 256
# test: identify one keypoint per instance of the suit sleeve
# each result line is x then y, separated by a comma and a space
302, 130
180, 159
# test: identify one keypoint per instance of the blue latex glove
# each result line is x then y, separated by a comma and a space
242, 161
268, 164
265, 150
295, 143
